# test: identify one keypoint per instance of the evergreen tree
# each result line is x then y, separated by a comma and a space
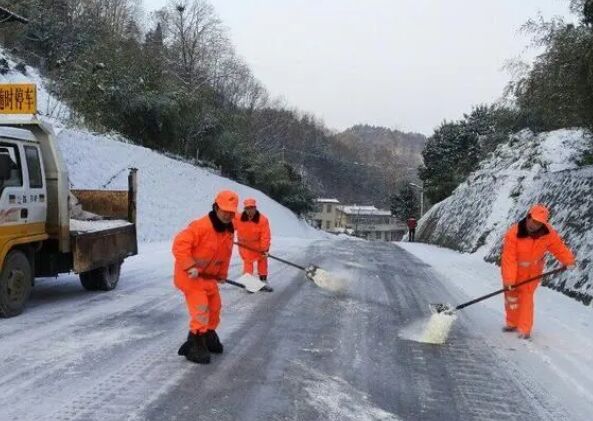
405, 204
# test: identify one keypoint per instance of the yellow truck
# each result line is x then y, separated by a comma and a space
45, 227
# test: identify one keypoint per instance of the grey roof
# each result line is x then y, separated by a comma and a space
364, 210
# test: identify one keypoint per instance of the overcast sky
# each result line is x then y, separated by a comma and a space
405, 64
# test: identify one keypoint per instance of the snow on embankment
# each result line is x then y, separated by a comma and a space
171, 192
528, 169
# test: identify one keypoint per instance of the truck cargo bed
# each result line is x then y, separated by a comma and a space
101, 243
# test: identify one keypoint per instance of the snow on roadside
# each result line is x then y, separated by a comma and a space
559, 355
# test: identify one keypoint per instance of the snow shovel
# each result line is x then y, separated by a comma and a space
443, 316
320, 277
249, 283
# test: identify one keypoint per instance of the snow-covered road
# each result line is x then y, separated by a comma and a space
297, 353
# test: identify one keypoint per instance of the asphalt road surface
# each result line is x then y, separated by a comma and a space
299, 353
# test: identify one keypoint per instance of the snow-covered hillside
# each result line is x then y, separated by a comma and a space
528, 169
171, 192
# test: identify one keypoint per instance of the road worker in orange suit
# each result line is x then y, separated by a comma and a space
523, 253
202, 255
253, 231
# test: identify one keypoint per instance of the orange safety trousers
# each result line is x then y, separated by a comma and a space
519, 307
255, 235
203, 305
262, 265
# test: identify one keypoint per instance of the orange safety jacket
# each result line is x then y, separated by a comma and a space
523, 254
207, 244
254, 233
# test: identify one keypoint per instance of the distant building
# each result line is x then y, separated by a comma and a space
324, 214
370, 223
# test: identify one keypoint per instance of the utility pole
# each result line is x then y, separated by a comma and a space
357, 218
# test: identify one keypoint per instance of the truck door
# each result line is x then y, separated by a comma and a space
35, 188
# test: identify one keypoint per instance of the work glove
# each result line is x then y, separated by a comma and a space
192, 272
510, 287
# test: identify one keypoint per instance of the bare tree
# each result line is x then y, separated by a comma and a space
115, 14
195, 37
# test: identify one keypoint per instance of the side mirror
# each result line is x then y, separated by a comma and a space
6, 165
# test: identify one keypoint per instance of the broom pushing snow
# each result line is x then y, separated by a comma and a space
440, 323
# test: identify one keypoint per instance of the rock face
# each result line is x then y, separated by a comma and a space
528, 169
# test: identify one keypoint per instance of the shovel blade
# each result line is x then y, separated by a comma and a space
252, 284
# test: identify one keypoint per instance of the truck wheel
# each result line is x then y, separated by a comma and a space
16, 282
104, 278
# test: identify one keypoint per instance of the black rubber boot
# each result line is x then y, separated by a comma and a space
264, 279
184, 349
198, 352
509, 329
213, 343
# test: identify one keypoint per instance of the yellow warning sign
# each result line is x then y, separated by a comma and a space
18, 98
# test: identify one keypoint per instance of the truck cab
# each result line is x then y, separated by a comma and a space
22, 184
46, 228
